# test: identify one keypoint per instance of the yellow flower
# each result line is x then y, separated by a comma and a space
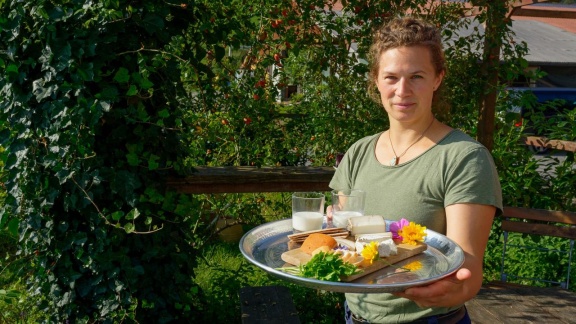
413, 266
370, 252
412, 233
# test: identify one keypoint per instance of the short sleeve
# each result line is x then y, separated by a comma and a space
474, 179
342, 176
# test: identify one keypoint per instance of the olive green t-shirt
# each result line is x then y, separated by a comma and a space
456, 170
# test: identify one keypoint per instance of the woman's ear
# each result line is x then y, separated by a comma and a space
439, 80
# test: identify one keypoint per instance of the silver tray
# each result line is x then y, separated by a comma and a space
264, 245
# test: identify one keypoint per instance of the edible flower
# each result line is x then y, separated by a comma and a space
412, 233
413, 266
370, 252
396, 227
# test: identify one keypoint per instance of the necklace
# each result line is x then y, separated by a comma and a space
396, 158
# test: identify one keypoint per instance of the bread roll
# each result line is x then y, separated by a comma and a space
323, 248
316, 240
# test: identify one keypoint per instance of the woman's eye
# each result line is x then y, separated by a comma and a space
416, 77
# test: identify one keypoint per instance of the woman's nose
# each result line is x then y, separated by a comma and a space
403, 87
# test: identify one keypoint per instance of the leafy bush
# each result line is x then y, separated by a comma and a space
545, 182
90, 96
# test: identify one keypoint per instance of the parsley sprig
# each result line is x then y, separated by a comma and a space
323, 266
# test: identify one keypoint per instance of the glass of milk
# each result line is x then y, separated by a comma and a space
347, 203
307, 211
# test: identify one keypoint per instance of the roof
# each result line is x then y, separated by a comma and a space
554, 14
547, 44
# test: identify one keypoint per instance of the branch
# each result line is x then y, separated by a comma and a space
106, 221
142, 49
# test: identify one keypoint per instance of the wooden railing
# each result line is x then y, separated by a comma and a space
541, 222
543, 142
245, 179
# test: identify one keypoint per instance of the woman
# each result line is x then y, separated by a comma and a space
422, 170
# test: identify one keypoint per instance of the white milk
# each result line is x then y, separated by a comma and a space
307, 221
340, 218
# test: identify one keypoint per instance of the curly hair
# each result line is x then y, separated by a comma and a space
406, 31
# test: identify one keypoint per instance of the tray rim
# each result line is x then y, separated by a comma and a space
352, 287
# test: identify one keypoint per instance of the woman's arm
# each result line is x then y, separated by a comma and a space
469, 226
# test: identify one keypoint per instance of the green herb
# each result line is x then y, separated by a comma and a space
323, 266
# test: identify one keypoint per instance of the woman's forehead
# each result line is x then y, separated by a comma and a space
414, 58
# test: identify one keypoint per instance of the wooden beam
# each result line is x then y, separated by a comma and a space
540, 141
539, 229
245, 179
521, 3
530, 12
545, 215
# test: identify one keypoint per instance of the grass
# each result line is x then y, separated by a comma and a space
16, 306
222, 271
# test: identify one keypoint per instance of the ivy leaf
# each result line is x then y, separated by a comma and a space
146, 84
132, 91
133, 214
133, 159
153, 162
122, 76
129, 228
117, 215
63, 175
108, 93
40, 91
12, 71
13, 225
105, 106
164, 113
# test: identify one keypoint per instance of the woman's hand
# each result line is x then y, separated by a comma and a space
329, 213
442, 293
469, 226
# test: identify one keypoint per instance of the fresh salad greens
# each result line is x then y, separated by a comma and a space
323, 266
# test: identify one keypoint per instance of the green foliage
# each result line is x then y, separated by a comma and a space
90, 95
545, 182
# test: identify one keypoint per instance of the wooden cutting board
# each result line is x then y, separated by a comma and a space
297, 257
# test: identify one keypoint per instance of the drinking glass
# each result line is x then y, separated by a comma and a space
307, 211
347, 203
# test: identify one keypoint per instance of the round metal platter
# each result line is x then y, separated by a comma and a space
264, 245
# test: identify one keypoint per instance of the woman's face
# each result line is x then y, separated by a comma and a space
407, 81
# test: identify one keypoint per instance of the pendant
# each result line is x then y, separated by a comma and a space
393, 161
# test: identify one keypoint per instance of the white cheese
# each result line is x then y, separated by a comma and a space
366, 225
377, 237
387, 248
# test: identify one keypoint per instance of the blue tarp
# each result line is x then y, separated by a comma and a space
546, 94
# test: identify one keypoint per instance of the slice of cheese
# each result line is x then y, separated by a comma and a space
371, 224
386, 246
377, 237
